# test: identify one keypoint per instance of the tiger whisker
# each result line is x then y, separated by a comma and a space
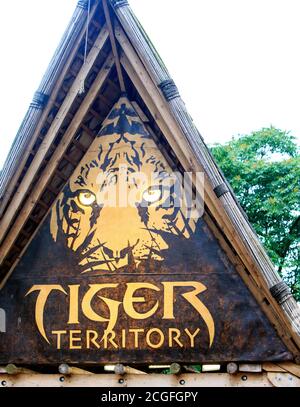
94, 264
86, 242
107, 261
186, 223
92, 250
158, 232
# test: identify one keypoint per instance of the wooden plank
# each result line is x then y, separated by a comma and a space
70, 160
290, 367
271, 367
133, 380
79, 146
96, 114
52, 133
139, 111
55, 159
113, 85
114, 46
61, 175
88, 131
45, 206
43, 117
250, 367
105, 101
283, 380
54, 191
164, 119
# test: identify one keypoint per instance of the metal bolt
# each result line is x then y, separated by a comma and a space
120, 369
121, 381
62, 379
175, 368
3, 383
182, 382
232, 368
64, 368
244, 378
11, 369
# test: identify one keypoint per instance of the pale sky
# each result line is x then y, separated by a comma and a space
235, 62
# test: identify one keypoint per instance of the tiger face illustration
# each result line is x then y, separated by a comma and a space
109, 215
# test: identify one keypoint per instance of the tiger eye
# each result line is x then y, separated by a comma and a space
86, 198
152, 195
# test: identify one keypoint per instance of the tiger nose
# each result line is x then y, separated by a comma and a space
116, 254
119, 228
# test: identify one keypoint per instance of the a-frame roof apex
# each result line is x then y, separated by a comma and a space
146, 70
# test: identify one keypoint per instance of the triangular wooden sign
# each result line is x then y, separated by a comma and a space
124, 269
120, 239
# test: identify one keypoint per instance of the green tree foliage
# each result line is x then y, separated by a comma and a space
263, 169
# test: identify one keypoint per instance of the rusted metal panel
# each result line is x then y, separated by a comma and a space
142, 283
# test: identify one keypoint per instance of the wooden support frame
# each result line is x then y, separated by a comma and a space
43, 117
149, 380
218, 219
57, 156
114, 45
290, 367
50, 137
159, 109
